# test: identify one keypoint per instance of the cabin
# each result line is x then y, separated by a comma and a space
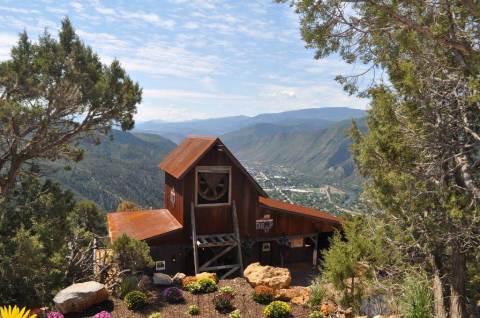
217, 218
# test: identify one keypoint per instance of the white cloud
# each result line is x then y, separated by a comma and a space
162, 59
77, 6
168, 113
191, 25
185, 95
7, 40
135, 16
19, 10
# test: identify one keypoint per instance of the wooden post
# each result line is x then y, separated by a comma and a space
237, 234
315, 250
194, 237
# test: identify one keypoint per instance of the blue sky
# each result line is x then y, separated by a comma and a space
196, 58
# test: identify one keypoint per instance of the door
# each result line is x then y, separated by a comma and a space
265, 252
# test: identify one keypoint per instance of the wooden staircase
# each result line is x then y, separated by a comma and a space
220, 245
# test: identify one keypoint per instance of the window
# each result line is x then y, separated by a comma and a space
173, 196
213, 185
160, 265
266, 247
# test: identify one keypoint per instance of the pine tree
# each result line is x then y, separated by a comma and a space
53, 92
421, 153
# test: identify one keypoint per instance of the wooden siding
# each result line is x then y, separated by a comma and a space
177, 208
218, 219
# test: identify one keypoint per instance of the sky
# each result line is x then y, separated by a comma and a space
195, 59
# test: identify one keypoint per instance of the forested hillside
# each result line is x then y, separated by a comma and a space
322, 153
124, 168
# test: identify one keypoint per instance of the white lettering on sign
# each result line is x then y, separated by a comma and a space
264, 224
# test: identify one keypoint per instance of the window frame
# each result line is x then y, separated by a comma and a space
214, 169
160, 268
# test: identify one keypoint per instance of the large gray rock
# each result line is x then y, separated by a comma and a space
162, 279
81, 296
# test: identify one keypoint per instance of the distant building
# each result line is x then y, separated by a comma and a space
217, 218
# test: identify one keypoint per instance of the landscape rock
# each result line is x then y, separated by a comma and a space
145, 283
162, 279
274, 277
207, 275
81, 296
188, 280
328, 307
178, 278
347, 313
297, 295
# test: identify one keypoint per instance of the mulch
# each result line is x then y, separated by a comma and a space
243, 301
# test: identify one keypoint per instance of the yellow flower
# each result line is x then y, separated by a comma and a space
15, 312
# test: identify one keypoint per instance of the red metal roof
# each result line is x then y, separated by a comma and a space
298, 210
142, 225
178, 162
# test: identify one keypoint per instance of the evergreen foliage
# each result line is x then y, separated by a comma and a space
125, 206
53, 92
420, 154
131, 254
42, 230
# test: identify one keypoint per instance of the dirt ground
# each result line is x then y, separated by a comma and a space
243, 301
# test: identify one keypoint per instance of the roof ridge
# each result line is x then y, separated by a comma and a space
202, 137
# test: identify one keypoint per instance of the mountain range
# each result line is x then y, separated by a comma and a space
313, 142
309, 118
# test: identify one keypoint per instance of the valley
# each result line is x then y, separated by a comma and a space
301, 157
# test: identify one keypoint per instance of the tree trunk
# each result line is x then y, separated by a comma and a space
438, 296
457, 286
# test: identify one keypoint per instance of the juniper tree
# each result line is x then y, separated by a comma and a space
421, 153
51, 93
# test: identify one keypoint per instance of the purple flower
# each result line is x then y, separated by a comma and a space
103, 314
54, 314
173, 295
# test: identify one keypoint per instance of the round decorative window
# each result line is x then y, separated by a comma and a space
212, 186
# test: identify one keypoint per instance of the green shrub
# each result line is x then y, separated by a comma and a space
277, 309
155, 315
131, 254
193, 310
223, 302
417, 297
226, 289
263, 295
317, 294
235, 314
127, 285
202, 286
316, 314
135, 300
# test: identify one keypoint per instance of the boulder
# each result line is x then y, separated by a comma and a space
328, 307
145, 283
81, 296
297, 295
207, 275
188, 280
274, 277
162, 279
178, 278
345, 313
